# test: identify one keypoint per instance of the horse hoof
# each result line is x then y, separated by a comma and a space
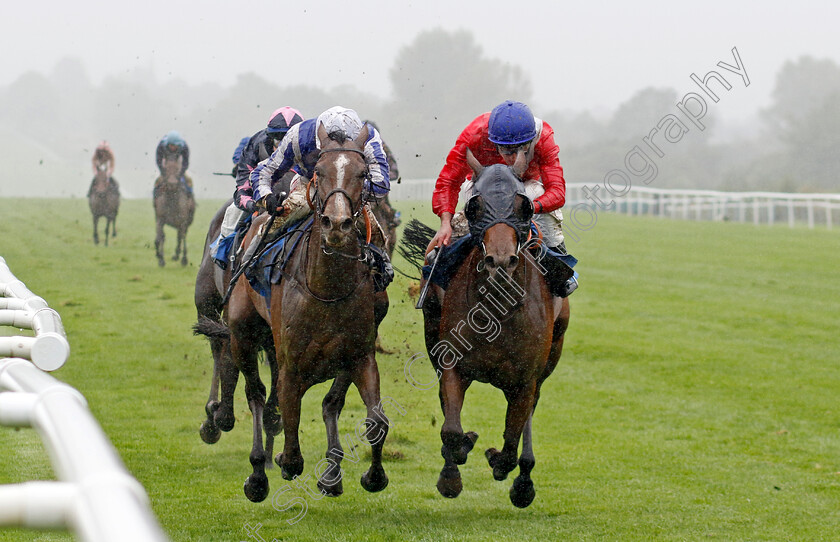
449, 482
256, 487
335, 490
175, 258
161, 262
224, 420
522, 492
496, 460
183, 263
467, 444
209, 432
373, 482
288, 469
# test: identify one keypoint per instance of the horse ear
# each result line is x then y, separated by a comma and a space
523, 208
362, 138
520, 166
323, 136
474, 208
474, 164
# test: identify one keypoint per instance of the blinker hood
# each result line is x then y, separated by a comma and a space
495, 200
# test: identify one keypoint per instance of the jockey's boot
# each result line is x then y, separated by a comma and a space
571, 283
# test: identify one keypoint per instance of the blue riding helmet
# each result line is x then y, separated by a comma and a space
512, 123
174, 138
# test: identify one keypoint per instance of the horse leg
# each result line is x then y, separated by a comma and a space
177, 255
107, 229
244, 353
256, 486
272, 420
95, 230
522, 491
209, 431
159, 239
182, 242
290, 392
330, 481
366, 379
520, 405
456, 444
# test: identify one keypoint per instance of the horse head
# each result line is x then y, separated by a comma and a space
341, 175
499, 213
172, 166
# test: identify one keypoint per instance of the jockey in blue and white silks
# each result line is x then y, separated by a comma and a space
300, 149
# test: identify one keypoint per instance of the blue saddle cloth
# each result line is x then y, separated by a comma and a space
269, 268
558, 266
220, 248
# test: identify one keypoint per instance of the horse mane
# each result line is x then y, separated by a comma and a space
415, 239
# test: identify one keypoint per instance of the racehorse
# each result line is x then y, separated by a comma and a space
496, 323
211, 285
324, 316
174, 206
104, 201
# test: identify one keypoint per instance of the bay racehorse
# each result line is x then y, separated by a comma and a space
324, 316
104, 201
496, 323
174, 206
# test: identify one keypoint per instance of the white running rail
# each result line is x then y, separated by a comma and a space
757, 207
94, 497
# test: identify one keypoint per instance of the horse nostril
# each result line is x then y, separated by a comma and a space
346, 225
489, 261
325, 223
513, 261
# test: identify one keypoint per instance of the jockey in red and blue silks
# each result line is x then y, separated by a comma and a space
496, 138
499, 137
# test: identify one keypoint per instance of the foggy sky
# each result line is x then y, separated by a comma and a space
578, 55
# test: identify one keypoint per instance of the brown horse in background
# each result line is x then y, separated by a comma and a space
211, 285
324, 316
104, 201
496, 323
174, 206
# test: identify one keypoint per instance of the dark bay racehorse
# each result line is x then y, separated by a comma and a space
104, 201
324, 316
210, 288
496, 323
175, 207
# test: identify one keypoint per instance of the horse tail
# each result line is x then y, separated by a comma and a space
415, 239
212, 329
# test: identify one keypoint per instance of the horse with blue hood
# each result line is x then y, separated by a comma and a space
497, 322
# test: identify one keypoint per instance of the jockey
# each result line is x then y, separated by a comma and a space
173, 147
257, 148
498, 137
103, 156
301, 149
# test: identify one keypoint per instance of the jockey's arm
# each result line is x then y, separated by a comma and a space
380, 181
551, 173
270, 170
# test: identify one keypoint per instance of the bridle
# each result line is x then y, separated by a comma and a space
318, 204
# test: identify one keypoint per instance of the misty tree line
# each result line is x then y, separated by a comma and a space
50, 124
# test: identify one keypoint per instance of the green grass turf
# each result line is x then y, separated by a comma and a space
697, 397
